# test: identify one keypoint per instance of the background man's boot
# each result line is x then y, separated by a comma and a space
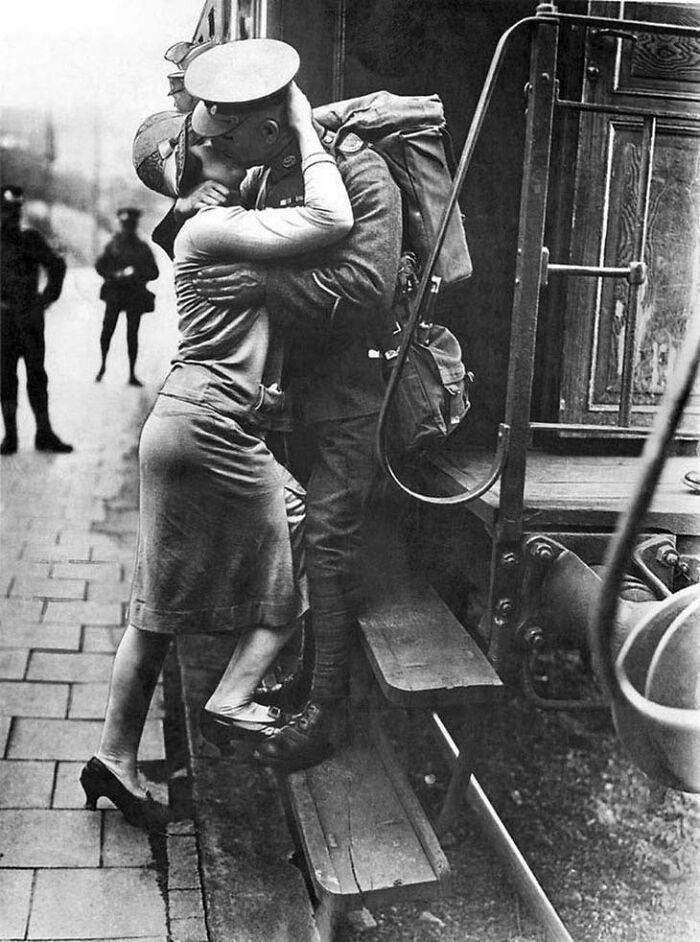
46, 439
9, 442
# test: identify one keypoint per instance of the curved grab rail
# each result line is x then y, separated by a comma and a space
473, 493
653, 457
422, 292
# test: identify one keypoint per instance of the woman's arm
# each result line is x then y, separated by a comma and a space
325, 217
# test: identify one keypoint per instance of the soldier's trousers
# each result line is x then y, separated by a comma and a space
344, 470
23, 341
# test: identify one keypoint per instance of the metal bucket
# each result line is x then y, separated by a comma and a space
657, 707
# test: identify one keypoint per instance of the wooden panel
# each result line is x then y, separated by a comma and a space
667, 66
362, 845
653, 73
585, 492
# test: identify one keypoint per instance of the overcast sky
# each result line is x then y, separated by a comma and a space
68, 55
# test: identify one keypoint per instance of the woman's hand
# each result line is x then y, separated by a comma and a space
205, 194
298, 109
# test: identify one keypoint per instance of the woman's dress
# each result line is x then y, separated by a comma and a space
216, 508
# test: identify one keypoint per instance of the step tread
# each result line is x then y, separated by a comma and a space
365, 837
420, 653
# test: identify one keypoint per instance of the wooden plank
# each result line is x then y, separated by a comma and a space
421, 655
577, 490
361, 845
426, 834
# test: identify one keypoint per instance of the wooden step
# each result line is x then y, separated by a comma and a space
365, 837
420, 653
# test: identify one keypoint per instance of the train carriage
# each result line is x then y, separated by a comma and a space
579, 187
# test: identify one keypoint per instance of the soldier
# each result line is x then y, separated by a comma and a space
327, 304
126, 264
24, 252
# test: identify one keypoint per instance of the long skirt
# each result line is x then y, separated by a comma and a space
219, 545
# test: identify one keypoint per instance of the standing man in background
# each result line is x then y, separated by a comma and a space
23, 253
126, 264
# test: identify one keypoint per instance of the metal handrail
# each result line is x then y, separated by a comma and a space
419, 300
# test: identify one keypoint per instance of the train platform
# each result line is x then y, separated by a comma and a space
68, 536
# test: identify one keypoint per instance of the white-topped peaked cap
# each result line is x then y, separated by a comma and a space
242, 73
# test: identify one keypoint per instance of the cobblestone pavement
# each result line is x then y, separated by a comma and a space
68, 536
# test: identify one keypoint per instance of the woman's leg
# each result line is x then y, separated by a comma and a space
254, 654
137, 664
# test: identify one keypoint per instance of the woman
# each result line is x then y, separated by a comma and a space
214, 550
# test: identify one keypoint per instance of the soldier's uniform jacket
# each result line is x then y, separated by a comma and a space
23, 253
123, 250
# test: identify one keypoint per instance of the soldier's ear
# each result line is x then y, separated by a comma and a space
269, 131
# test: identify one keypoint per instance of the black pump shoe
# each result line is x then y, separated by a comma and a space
146, 813
219, 729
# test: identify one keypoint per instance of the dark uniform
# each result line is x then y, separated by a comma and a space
23, 254
126, 264
336, 300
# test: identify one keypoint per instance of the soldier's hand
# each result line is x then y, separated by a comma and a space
298, 108
204, 194
238, 284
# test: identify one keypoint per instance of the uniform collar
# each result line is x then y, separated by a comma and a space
284, 164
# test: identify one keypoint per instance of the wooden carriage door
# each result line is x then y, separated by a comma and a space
650, 71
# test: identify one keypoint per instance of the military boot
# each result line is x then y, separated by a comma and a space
317, 733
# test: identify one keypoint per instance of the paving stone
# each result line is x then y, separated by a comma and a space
73, 739
109, 591
75, 668
183, 864
90, 572
24, 610
97, 904
188, 930
33, 838
88, 701
22, 698
185, 904
68, 792
37, 551
15, 898
101, 639
64, 637
30, 587
84, 613
26, 784
23, 567
122, 844
13, 663
5, 724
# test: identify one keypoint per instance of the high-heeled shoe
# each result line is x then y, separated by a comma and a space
98, 781
222, 731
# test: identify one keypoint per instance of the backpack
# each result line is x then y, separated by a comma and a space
410, 134
430, 396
